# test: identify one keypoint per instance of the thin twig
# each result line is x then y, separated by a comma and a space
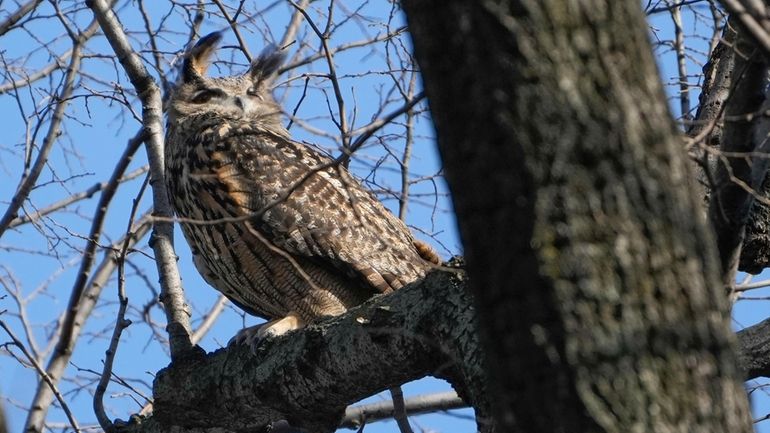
344, 47
679, 48
293, 27
62, 101
342, 124
403, 199
74, 198
40, 73
121, 322
50, 382
68, 329
236, 31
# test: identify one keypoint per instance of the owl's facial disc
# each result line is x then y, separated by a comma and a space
233, 104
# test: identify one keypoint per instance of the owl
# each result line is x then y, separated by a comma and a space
282, 230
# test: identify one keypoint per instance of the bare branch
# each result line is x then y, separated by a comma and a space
342, 124
742, 11
74, 198
235, 29
162, 239
121, 322
40, 73
30, 178
49, 382
18, 15
89, 299
679, 48
356, 416
408, 334
293, 27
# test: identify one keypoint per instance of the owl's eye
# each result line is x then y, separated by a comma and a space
254, 93
205, 95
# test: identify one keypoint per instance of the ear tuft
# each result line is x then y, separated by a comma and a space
264, 69
196, 60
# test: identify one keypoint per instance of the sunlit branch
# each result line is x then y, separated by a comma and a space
152, 119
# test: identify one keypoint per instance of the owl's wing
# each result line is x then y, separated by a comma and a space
318, 210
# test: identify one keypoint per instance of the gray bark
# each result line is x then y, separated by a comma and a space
426, 329
725, 133
730, 201
754, 350
309, 377
595, 277
734, 80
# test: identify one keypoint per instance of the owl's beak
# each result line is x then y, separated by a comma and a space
243, 106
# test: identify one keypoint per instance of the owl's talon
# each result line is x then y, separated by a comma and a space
254, 335
247, 336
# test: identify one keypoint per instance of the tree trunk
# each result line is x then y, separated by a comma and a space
596, 281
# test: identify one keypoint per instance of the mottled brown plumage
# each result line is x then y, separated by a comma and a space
275, 225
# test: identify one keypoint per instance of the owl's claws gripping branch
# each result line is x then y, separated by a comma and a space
251, 336
328, 246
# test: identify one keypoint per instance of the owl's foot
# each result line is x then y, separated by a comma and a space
253, 335
426, 252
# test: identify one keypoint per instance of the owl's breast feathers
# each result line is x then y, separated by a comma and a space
295, 228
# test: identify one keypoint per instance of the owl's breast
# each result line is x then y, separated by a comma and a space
215, 183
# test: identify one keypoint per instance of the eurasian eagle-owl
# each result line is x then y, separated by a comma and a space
282, 230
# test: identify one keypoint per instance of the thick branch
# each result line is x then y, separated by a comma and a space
737, 205
309, 377
754, 350
730, 201
426, 329
163, 232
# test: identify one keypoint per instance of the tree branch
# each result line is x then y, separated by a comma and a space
162, 241
20, 13
30, 177
754, 350
748, 17
356, 416
61, 101
424, 329
58, 363
730, 203
70, 325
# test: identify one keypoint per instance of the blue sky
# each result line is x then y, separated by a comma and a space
89, 149
91, 145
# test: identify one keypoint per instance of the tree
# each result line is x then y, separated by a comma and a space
601, 297
565, 118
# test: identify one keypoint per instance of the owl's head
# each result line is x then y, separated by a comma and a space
247, 97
